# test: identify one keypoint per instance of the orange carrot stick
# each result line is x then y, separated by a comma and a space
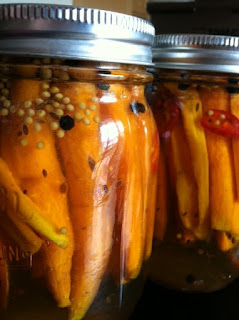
221, 175
234, 108
191, 111
185, 183
225, 241
86, 171
149, 142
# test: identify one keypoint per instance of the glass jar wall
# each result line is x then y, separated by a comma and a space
78, 161
196, 106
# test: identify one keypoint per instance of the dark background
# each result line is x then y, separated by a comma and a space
160, 303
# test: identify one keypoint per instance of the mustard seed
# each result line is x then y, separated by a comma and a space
87, 112
39, 101
56, 104
82, 105
20, 112
92, 107
23, 142
60, 133
54, 125
28, 120
59, 96
94, 99
6, 103
70, 107
77, 116
59, 112
45, 86
46, 94
96, 119
4, 112
40, 145
86, 121
49, 107
27, 104
31, 112
41, 113
63, 230
54, 90
66, 100
37, 127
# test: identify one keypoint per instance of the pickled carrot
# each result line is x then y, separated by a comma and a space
37, 171
185, 182
191, 111
224, 242
90, 196
221, 172
149, 141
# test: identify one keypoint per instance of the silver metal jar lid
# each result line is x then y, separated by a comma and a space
214, 53
75, 33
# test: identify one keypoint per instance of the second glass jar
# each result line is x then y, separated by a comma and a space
195, 102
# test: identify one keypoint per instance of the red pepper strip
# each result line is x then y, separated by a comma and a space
221, 122
166, 111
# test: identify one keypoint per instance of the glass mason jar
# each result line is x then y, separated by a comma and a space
78, 160
195, 101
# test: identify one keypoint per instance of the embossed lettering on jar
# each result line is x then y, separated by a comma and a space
78, 148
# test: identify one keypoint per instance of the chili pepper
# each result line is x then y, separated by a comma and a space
221, 122
166, 111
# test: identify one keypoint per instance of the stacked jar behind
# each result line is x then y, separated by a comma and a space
195, 101
78, 161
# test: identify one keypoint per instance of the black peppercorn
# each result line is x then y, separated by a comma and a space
183, 86
67, 123
232, 90
103, 86
137, 107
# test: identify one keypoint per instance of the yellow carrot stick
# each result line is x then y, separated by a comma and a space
20, 233
27, 210
191, 111
221, 175
186, 188
16, 229
86, 171
29, 150
225, 241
